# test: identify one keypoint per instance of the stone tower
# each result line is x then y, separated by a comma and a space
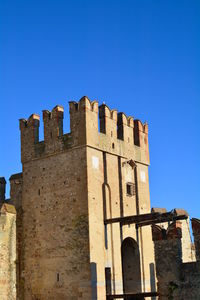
71, 184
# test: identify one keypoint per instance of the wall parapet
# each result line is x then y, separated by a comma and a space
117, 128
174, 231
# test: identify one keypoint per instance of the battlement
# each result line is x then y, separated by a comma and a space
174, 231
176, 279
115, 129
83, 104
179, 230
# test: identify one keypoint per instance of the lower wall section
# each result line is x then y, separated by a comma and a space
7, 252
176, 280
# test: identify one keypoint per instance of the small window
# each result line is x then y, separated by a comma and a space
130, 189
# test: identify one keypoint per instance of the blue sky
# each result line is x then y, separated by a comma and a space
140, 57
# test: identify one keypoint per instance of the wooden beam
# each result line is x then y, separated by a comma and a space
132, 296
148, 219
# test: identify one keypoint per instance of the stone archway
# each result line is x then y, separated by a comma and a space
131, 266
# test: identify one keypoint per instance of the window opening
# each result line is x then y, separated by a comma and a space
130, 189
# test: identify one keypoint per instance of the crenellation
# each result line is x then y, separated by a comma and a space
83, 104
125, 127
53, 128
29, 136
117, 130
16, 184
174, 230
83, 121
140, 131
108, 121
2, 189
158, 233
141, 137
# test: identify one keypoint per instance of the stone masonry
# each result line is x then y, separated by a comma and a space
177, 280
53, 239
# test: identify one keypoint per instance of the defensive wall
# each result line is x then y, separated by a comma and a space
177, 280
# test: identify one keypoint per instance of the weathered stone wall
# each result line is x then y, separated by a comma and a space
168, 257
7, 252
177, 280
188, 253
189, 285
16, 185
55, 224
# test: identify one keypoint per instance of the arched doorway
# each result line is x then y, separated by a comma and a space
131, 266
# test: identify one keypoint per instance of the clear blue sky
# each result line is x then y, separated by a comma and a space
140, 57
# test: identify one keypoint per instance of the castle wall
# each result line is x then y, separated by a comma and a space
190, 281
168, 257
188, 251
176, 279
55, 223
7, 252
16, 185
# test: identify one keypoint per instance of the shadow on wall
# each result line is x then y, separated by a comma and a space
152, 279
